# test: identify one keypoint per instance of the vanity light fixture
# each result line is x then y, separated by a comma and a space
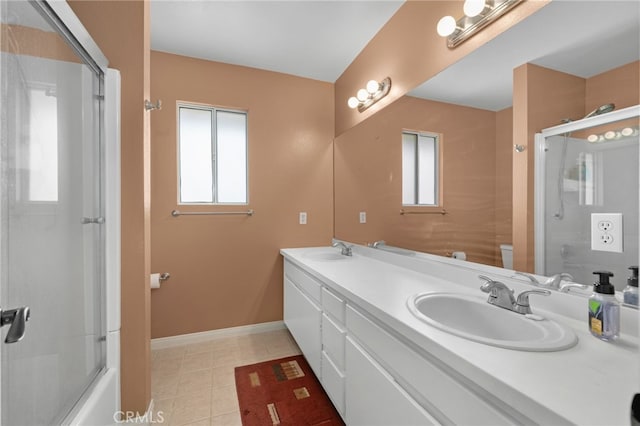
477, 15
612, 135
373, 92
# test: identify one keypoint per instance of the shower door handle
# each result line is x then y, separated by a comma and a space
18, 319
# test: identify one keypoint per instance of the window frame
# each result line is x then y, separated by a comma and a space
439, 175
214, 161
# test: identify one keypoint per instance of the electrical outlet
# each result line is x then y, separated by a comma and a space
606, 232
303, 218
363, 217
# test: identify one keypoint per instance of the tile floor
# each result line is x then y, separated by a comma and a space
194, 384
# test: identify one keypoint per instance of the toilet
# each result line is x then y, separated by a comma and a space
507, 256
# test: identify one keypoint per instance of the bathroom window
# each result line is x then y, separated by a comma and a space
213, 155
420, 169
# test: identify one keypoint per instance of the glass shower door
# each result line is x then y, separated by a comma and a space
589, 170
52, 236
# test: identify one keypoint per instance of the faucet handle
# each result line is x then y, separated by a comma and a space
522, 303
531, 278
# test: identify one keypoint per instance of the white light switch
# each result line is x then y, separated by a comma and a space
606, 232
303, 218
363, 217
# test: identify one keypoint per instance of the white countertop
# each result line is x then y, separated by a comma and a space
592, 383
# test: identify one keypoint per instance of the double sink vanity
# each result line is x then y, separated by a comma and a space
399, 339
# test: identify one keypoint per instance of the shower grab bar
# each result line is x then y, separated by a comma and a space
442, 212
176, 213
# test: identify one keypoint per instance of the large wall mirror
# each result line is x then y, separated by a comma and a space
593, 45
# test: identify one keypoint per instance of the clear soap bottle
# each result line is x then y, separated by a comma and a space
604, 309
630, 293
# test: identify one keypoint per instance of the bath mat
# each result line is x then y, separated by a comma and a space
283, 392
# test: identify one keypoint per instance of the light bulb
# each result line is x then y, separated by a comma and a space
627, 131
473, 7
593, 138
353, 102
373, 86
362, 95
446, 26
610, 135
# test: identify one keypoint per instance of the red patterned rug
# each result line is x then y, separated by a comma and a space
283, 392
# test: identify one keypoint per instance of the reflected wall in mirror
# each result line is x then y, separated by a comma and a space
476, 191
485, 184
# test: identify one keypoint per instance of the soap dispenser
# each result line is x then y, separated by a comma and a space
630, 293
604, 309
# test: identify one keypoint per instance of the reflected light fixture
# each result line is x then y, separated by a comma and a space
372, 93
477, 15
612, 135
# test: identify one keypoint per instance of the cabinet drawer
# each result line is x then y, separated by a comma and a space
306, 282
333, 340
333, 304
373, 398
436, 387
303, 319
333, 382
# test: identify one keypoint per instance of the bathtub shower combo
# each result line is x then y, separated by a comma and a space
59, 218
587, 188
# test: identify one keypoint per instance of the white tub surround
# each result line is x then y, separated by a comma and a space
381, 364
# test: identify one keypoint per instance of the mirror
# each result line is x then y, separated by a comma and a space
469, 105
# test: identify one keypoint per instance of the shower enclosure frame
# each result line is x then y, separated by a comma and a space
540, 164
100, 402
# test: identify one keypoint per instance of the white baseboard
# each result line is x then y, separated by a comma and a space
205, 336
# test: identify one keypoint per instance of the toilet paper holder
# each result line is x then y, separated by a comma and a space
165, 276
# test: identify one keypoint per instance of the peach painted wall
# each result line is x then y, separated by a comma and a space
368, 176
504, 179
412, 52
620, 86
226, 271
541, 99
121, 29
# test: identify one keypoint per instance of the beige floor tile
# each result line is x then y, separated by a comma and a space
166, 367
194, 400
192, 415
194, 381
204, 422
197, 361
163, 381
229, 357
229, 419
162, 409
195, 348
170, 353
224, 400
164, 392
223, 376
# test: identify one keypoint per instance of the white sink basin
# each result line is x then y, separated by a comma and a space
327, 254
474, 319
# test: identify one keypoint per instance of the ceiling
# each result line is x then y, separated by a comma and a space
319, 39
313, 39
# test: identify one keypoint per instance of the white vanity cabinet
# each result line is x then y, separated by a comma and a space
302, 314
372, 376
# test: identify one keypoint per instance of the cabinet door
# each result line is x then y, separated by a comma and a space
373, 398
303, 318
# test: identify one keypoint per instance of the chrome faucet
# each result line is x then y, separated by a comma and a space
564, 288
346, 250
551, 282
502, 296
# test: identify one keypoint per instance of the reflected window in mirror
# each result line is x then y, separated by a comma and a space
420, 169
